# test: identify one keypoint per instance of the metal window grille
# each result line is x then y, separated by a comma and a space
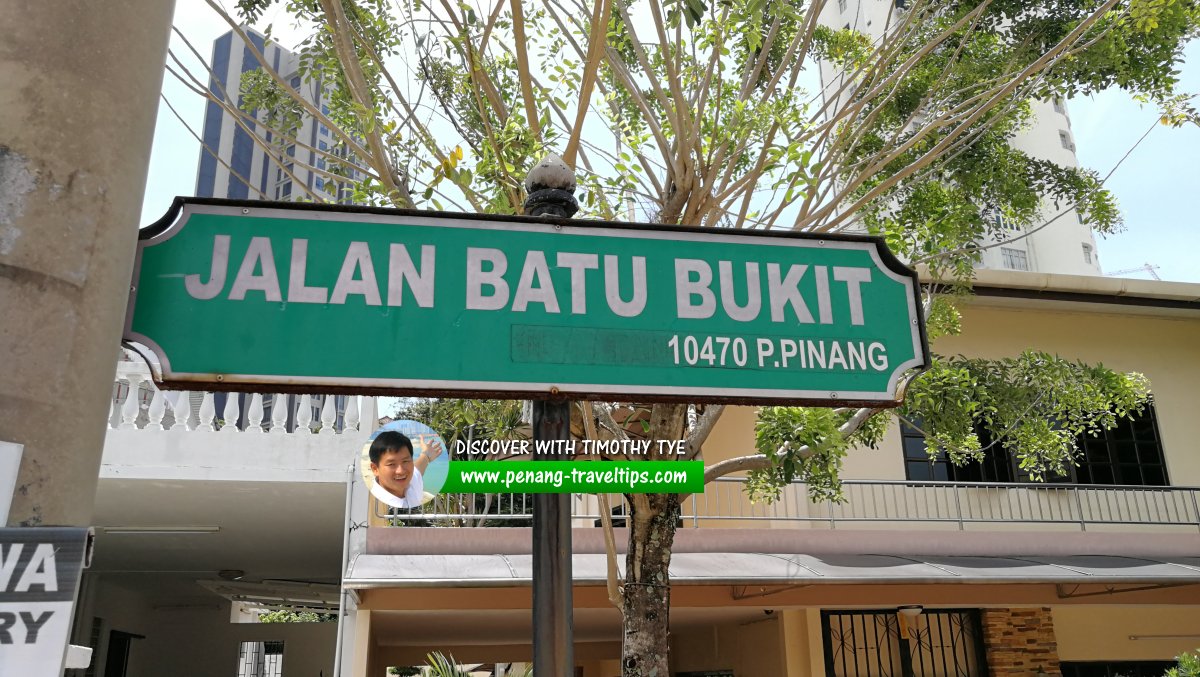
941, 643
1087, 253
1130, 453
260, 659
996, 466
1014, 259
94, 642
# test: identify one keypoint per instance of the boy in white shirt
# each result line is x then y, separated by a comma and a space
398, 481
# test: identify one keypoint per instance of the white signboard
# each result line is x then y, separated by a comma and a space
39, 579
10, 465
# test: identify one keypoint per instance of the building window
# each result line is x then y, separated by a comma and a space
1014, 259
920, 467
997, 220
285, 191
1064, 137
939, 643
842, 6
1059, 106
1130, 454
260, 659
1087, 253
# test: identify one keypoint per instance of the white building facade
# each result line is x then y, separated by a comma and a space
1066, 245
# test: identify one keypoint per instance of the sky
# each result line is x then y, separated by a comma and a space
1158, 185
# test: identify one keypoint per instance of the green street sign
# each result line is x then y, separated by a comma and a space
254, 295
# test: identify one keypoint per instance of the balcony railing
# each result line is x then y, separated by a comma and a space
138, 404
957, 505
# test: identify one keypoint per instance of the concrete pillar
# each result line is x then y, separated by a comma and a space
363, 645
81, 82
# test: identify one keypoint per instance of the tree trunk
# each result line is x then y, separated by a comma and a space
647, 598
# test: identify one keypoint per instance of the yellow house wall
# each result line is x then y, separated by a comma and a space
1165, 349
753, 648
601, 668
1103, 633
801, 636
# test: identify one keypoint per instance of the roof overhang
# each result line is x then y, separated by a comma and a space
724, 568
415, 558
1098, 293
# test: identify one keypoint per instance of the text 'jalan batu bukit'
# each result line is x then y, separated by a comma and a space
733, 289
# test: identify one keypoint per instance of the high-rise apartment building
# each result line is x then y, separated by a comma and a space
242, 158
1067, 245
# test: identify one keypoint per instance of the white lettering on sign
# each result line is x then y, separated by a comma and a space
738, 292
298, 290
356, 277
853, 277
488, 290
536, 271
695, 299
612, 287
778, 353
258, 257
478, 278
40, 570
578, 264
824, 307
216, 278
401, 270
749, 311
686, 289
257, 272
784, 292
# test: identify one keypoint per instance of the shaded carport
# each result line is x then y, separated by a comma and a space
425, 589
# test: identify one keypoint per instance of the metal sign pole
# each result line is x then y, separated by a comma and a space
553, 626
550, 186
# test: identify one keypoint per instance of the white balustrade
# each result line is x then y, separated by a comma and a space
182, 410
350, 419
133, 405
328, 415
208, 411
279, 414
254, 415
231, 413
158, 408
127, 413
304, 416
